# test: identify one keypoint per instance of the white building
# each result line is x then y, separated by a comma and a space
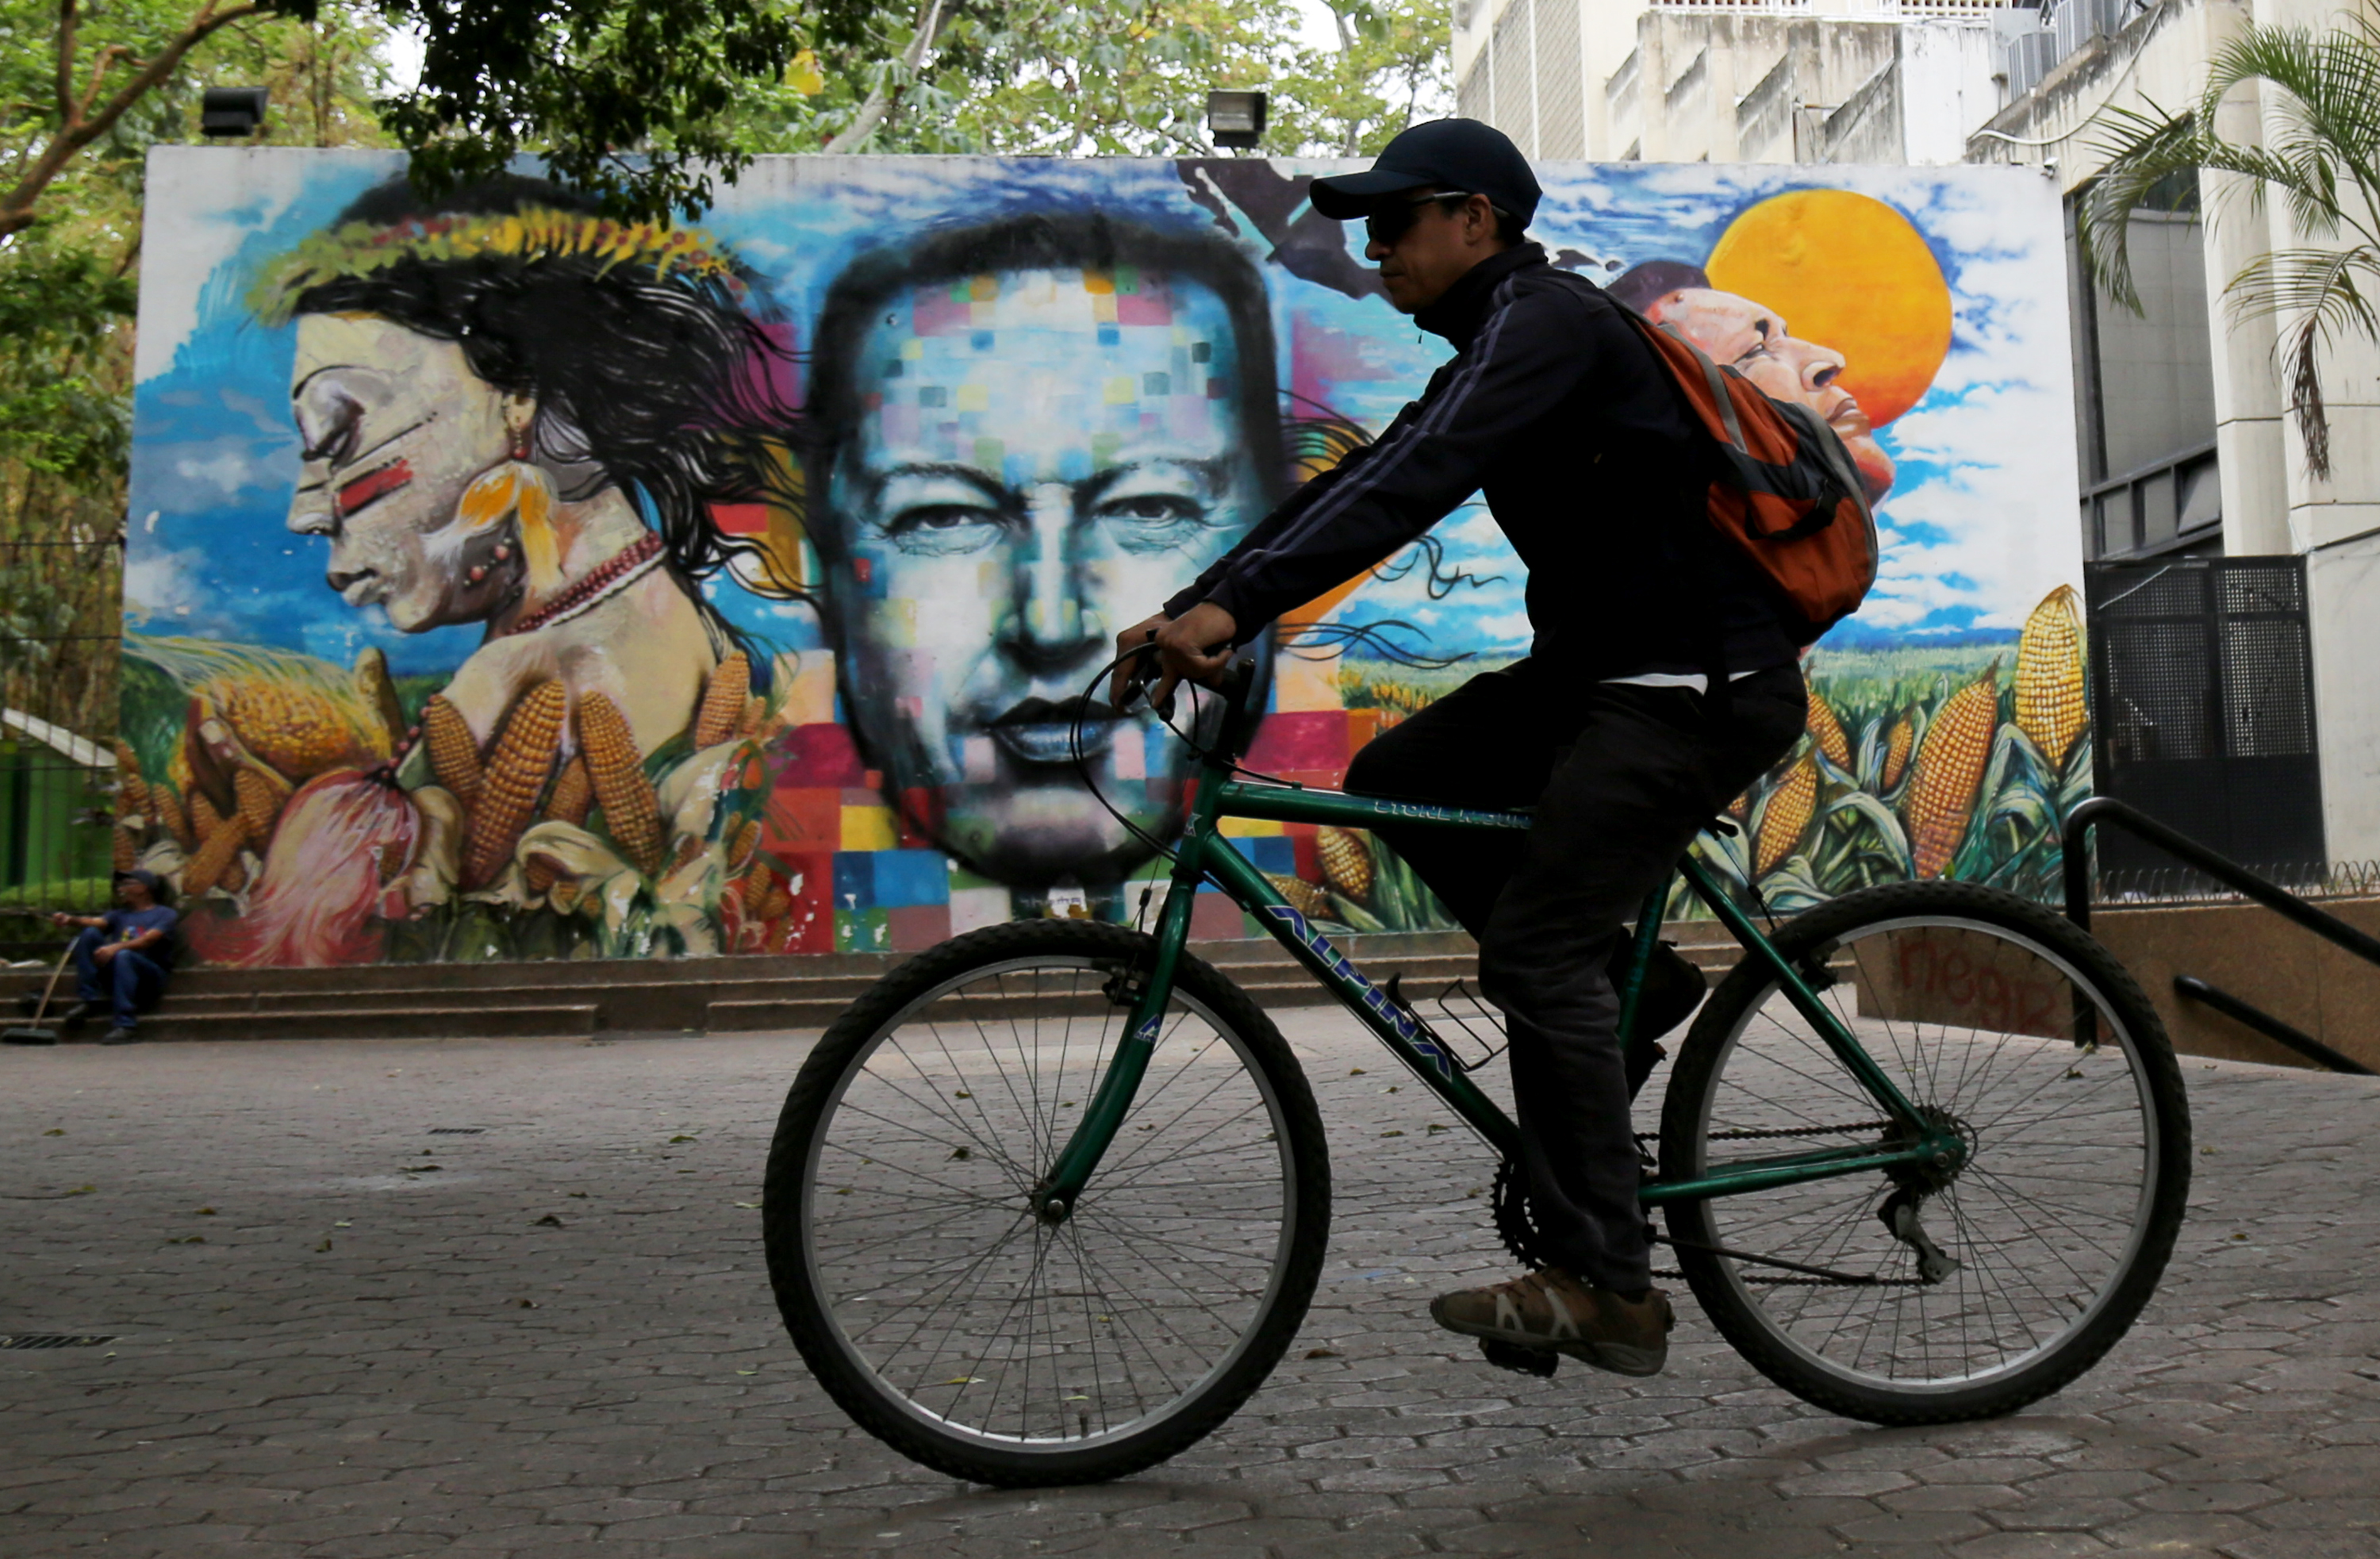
1729, 81
2187, 442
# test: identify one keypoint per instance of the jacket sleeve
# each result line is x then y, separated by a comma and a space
1529, 356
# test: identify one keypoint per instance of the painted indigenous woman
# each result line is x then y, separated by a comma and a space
516, 412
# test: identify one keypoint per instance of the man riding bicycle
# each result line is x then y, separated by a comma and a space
1662, 680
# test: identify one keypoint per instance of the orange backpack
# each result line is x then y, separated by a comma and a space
1784, 490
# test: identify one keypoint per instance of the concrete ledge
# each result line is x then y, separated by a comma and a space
2264, 960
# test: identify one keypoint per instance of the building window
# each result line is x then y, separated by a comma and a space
2144, 389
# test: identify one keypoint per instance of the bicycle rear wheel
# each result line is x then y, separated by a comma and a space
1927, 1296
952, 1323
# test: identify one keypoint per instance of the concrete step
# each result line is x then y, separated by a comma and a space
742, 995
493, 1021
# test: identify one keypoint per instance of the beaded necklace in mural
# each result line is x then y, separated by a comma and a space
611, 577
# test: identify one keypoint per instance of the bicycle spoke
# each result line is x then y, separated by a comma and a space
953, 1297
2040, 1215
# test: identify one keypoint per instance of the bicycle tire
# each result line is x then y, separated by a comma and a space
858, 1089
1895, 941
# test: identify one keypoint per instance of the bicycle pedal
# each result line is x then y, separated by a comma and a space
1540, 1362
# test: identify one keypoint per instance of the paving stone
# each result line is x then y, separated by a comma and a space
390, 1397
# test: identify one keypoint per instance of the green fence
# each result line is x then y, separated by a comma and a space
60, 647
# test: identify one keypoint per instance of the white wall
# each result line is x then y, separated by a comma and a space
2270, 502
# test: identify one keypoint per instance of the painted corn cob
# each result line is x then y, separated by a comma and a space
128, 848
723, 701
217, 856
518, 767
1827, 730
2050, 703
1346, 861
573, 798
1302, 895
377, 690
172, 817
261, 793
132, 792
1949, 769
453, 756
298, 729
133, 803
1897, 743
748, 839
1786, 815
204, 820
632, 814
573, 793
779, 902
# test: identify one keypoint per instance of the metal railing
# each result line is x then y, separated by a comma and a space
60, 657
2105, 809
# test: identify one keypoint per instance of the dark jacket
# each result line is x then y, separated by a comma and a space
1557, 409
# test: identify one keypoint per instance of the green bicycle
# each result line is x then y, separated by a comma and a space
1048, 1203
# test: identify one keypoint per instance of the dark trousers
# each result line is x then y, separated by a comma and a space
1621, 779
132, 982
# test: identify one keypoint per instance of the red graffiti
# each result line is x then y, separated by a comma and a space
1938, 978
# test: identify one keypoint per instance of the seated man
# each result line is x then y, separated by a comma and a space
124, 955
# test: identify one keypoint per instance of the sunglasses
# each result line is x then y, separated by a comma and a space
1391, 223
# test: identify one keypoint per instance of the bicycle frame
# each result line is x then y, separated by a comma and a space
1206, 854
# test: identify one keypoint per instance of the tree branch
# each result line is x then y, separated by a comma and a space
77, 130
67, 18
99, 65
880, 101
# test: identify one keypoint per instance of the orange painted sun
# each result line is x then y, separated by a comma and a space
1847, 270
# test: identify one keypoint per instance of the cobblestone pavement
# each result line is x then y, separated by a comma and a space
560, 1340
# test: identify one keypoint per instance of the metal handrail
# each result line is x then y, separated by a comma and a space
2289, 905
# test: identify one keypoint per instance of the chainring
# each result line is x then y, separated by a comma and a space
1516, 1225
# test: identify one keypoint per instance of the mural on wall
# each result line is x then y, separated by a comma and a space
505, 581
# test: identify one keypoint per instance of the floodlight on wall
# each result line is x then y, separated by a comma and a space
1236, 119
227, 111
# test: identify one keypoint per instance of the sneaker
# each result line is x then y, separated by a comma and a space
119, 1036
1554, 1312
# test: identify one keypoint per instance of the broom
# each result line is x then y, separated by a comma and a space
32, 1033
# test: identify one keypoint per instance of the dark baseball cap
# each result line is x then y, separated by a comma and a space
1442, 154
141, 875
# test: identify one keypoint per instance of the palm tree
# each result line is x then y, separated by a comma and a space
2321, 156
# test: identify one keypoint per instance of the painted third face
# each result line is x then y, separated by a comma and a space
394, 425
1045, 457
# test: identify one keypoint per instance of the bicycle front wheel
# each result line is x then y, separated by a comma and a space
1931, 1294
952, 1323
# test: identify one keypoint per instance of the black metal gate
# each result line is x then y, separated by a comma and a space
2202, 683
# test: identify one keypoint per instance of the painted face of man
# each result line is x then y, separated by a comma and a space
394, 425
1043, 454
1753, 339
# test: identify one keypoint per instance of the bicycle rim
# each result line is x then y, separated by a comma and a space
973, 1320
2048, 1223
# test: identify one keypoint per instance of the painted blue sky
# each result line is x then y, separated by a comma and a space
1979, 526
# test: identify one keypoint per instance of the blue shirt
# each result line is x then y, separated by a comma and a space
123, 925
